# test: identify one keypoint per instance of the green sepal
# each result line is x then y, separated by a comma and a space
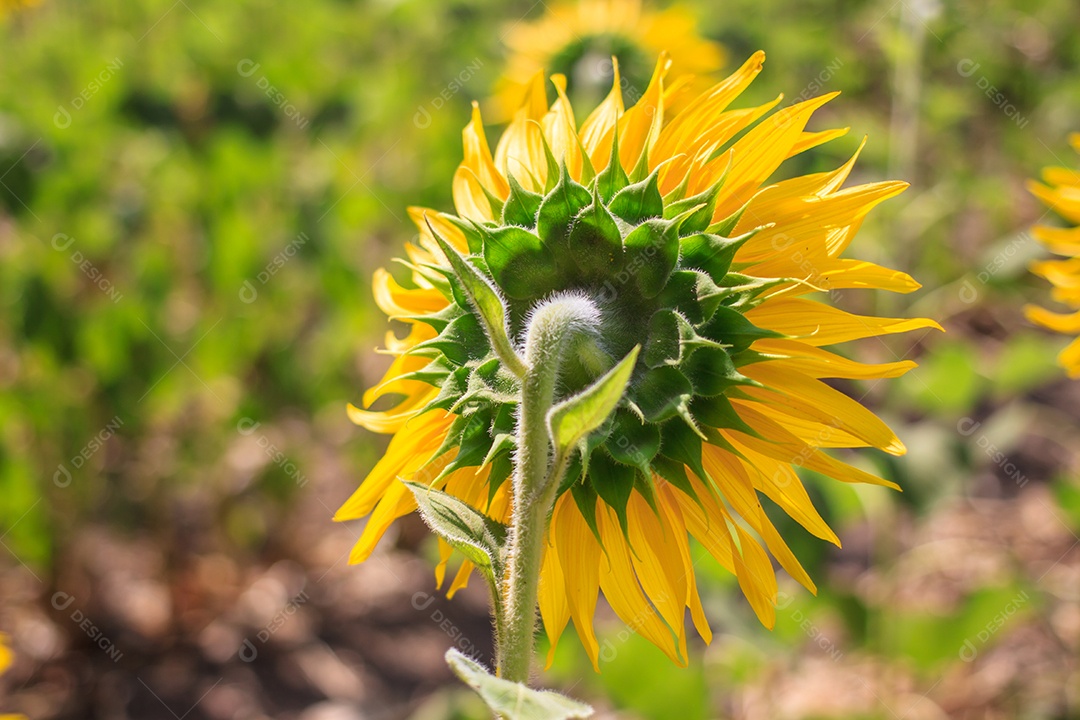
661, 392
595, 243
439, 320
432, 273
474, 444
632, 442
521, 205
479, 538
553, 169
485, 299
519, 262
711, 371
613, 482
693, 293
473, 238
643, 483
461, 340
451, 390
731, 327
511, 700
559, 208
725, 227
501, 467
584, 495
703, 204
434, 373
682, 444
652, 252
613, 178
639, 202
489, 384
718, 412
672, 339
712, 253
675, 473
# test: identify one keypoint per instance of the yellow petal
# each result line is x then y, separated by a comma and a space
658, 564
822, 403
554, 609
579, 558
819, 324
622, 591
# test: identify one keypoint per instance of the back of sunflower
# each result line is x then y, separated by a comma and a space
612, 349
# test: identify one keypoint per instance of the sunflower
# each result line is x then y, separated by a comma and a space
6, 659
1061, 193
578, 40
7, 6
663, 220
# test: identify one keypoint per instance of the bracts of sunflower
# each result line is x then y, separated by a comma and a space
612, 350
1061, 193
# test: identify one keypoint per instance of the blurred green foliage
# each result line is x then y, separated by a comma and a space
170, 153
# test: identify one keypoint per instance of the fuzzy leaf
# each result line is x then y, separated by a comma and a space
574, 418
521, 205
613, 178
633, 442
596, 245
511, 700
559, 208
661, 392
479, 538
520, 263
489, 305
638, 202
652, 251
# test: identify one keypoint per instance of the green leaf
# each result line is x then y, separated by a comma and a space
613, 178
596, 245
574, 418
702, 206
652, 251
520, 263
726, 226
613, 482
731, 327
711, 372
511, 700
633, 442
661, 392
712, 253
559, 208
521, 205
479, 538
640, 201
460, 341
489, 305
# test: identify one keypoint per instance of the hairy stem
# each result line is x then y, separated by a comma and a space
554, 330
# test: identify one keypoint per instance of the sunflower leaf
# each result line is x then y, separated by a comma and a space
574, 418
480, 538
511, 700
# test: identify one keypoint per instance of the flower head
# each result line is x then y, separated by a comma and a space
1061, 193
578, 40
662, 220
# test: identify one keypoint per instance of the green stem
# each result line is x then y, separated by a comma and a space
553, 330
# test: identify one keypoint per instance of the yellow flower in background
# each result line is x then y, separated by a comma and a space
578, 40
6, 658
1061, 193
7, 6
664, 220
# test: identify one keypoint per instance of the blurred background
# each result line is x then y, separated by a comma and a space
193, 197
